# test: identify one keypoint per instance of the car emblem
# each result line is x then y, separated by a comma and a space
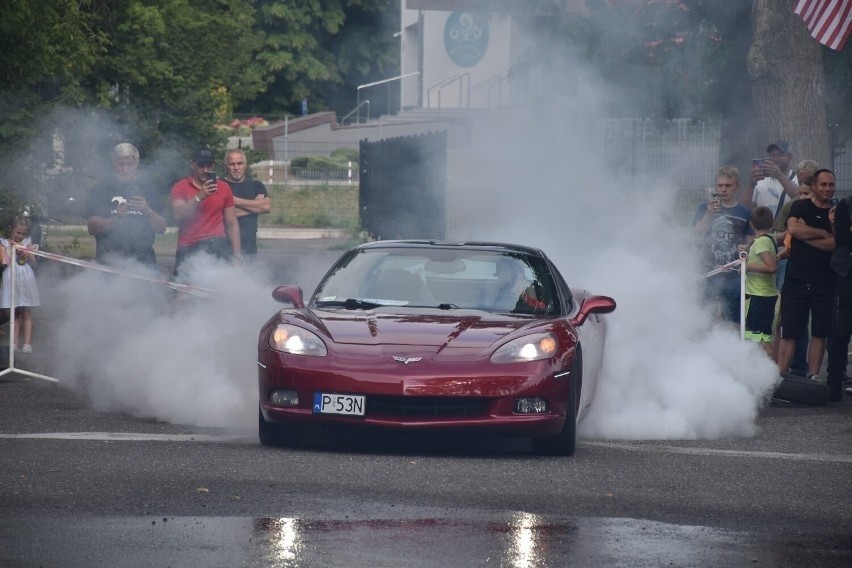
406, 360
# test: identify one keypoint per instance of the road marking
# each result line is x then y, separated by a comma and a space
725, 453
131, 437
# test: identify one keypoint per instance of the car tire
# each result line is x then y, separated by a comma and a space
564, 443
801, 390
271, 434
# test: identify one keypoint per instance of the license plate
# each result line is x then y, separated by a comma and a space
348, 404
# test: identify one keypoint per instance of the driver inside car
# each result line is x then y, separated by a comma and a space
512, 293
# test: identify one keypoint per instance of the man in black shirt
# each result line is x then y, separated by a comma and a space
122, 212
250, 200
838, 345
808, 290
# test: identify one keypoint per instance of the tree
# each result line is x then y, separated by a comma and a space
322, 50
48, 48
786, 69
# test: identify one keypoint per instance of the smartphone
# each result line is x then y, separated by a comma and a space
716, 198
834, 201
757, 163
211, 176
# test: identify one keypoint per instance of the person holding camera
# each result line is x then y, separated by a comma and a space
723, 226
122, 212
203, 208
772, 180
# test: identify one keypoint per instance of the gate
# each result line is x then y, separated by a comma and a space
403, 186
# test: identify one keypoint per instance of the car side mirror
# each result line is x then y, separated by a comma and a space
290, 295
593, 305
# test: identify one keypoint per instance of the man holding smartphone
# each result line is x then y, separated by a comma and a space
203, 208
122, 212
772, 179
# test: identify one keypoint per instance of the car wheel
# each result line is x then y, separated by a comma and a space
271, 434
565, 442
801, 390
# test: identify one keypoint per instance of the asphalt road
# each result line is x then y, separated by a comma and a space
82, 488
85, 488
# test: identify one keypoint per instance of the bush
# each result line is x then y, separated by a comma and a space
345, 155
318, 167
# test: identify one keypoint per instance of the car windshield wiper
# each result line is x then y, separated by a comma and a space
447, 307
349, 304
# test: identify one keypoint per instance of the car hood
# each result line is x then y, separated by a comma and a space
424, 328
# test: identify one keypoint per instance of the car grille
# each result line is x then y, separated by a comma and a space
426, 406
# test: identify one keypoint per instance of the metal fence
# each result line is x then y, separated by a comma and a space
311, 189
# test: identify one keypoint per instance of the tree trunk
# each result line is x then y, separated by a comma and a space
788, 89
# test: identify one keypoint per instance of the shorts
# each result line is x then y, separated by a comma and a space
761, 312
802, 300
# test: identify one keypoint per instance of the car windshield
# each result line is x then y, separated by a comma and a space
446, 278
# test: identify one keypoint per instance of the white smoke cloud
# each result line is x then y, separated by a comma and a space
141, 348
670, 371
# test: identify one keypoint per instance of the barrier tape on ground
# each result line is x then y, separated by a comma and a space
185, 288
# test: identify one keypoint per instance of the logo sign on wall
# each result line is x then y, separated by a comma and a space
466, 37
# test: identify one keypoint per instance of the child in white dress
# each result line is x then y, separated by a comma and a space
26, 291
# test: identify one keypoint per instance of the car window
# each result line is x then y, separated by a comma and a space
457, 277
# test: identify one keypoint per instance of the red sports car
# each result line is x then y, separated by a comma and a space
419, 335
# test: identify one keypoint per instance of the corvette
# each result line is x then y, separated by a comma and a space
425, 335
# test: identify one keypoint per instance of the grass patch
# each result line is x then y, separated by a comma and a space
78, 243
320, 205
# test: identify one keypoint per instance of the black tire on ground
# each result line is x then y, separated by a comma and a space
271, 434
564, 443
801, 390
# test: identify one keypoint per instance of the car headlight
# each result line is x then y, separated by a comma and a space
528, 348
291, 339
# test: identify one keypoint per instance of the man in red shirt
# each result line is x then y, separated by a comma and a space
203, 208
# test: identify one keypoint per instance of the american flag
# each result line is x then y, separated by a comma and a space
829, 21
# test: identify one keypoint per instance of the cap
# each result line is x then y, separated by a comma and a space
203, 155
781, 145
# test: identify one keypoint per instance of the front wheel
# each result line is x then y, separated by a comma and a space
271, 434
565, 442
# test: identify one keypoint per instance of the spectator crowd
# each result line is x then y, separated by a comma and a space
795, 235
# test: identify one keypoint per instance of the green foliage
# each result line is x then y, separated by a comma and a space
320, 205
345, 155
323, 50
675, 57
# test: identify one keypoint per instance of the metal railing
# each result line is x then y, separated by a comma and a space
376, 83
464, 102
357, 109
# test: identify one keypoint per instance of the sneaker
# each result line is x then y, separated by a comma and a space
811, 377
27, 349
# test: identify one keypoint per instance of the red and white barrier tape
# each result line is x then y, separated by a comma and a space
185, 288
731, 266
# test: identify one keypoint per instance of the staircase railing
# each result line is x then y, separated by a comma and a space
357, 109
464, 101
373, 84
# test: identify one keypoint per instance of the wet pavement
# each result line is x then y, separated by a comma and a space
456, 538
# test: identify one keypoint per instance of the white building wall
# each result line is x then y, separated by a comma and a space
465, 57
